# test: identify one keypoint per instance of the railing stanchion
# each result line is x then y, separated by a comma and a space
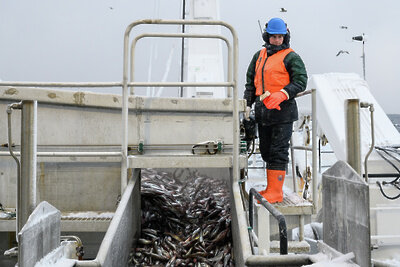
274, 212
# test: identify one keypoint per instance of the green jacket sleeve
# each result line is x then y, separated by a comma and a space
297, 73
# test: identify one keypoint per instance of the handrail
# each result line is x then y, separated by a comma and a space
314, 151
69, 154
114, 84
313, 147
183, 35
61, 84
12, 153
231, 83
274, 212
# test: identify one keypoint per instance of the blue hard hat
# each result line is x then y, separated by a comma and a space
276, 26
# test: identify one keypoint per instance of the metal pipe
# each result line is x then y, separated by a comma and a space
114, 84
124, 123
307, 92
301, 227
314, 150
79, 154
178, 84
295, 187
70, 154
278, 260
377, 237
69, 237
174, 84
353, 134
9, 111
88, 263
27, 189
363, 55
62, 84
183, 47
380, 263
303, 148
382, 175
274, 212
254, 236
319, 156
243, 248
371, 109
236, 126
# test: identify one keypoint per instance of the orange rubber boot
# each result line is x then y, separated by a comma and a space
262, 191
273, 193
265, 190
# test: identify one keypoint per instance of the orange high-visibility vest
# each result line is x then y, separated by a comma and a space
271, 75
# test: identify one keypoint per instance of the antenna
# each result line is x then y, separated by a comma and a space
259, 24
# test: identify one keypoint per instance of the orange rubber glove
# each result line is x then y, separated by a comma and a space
274, 100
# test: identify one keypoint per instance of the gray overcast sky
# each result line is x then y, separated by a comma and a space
53, 40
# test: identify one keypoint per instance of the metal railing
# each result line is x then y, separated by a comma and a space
274, 212
313, 149
232, 73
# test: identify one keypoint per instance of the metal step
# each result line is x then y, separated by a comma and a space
293, 204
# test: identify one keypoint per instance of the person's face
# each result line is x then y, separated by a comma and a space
276, 39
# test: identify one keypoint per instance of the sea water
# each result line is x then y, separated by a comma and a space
395, 118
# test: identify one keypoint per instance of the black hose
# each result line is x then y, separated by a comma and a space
252, 149
396, 180
388, 161
383, 193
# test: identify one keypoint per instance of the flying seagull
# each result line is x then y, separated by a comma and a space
342, 52
283, 9
343, 27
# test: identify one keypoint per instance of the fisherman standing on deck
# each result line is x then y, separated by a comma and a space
276, 74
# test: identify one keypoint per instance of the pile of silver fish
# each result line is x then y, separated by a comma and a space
185, 222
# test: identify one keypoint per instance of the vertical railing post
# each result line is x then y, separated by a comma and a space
27, 188
353, 134
292, 159
314, 150
283, 243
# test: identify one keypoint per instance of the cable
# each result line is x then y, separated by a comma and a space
383, 193
388, 161
396, 180
252, 149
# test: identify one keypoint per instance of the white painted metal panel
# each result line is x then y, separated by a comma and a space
333, 89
